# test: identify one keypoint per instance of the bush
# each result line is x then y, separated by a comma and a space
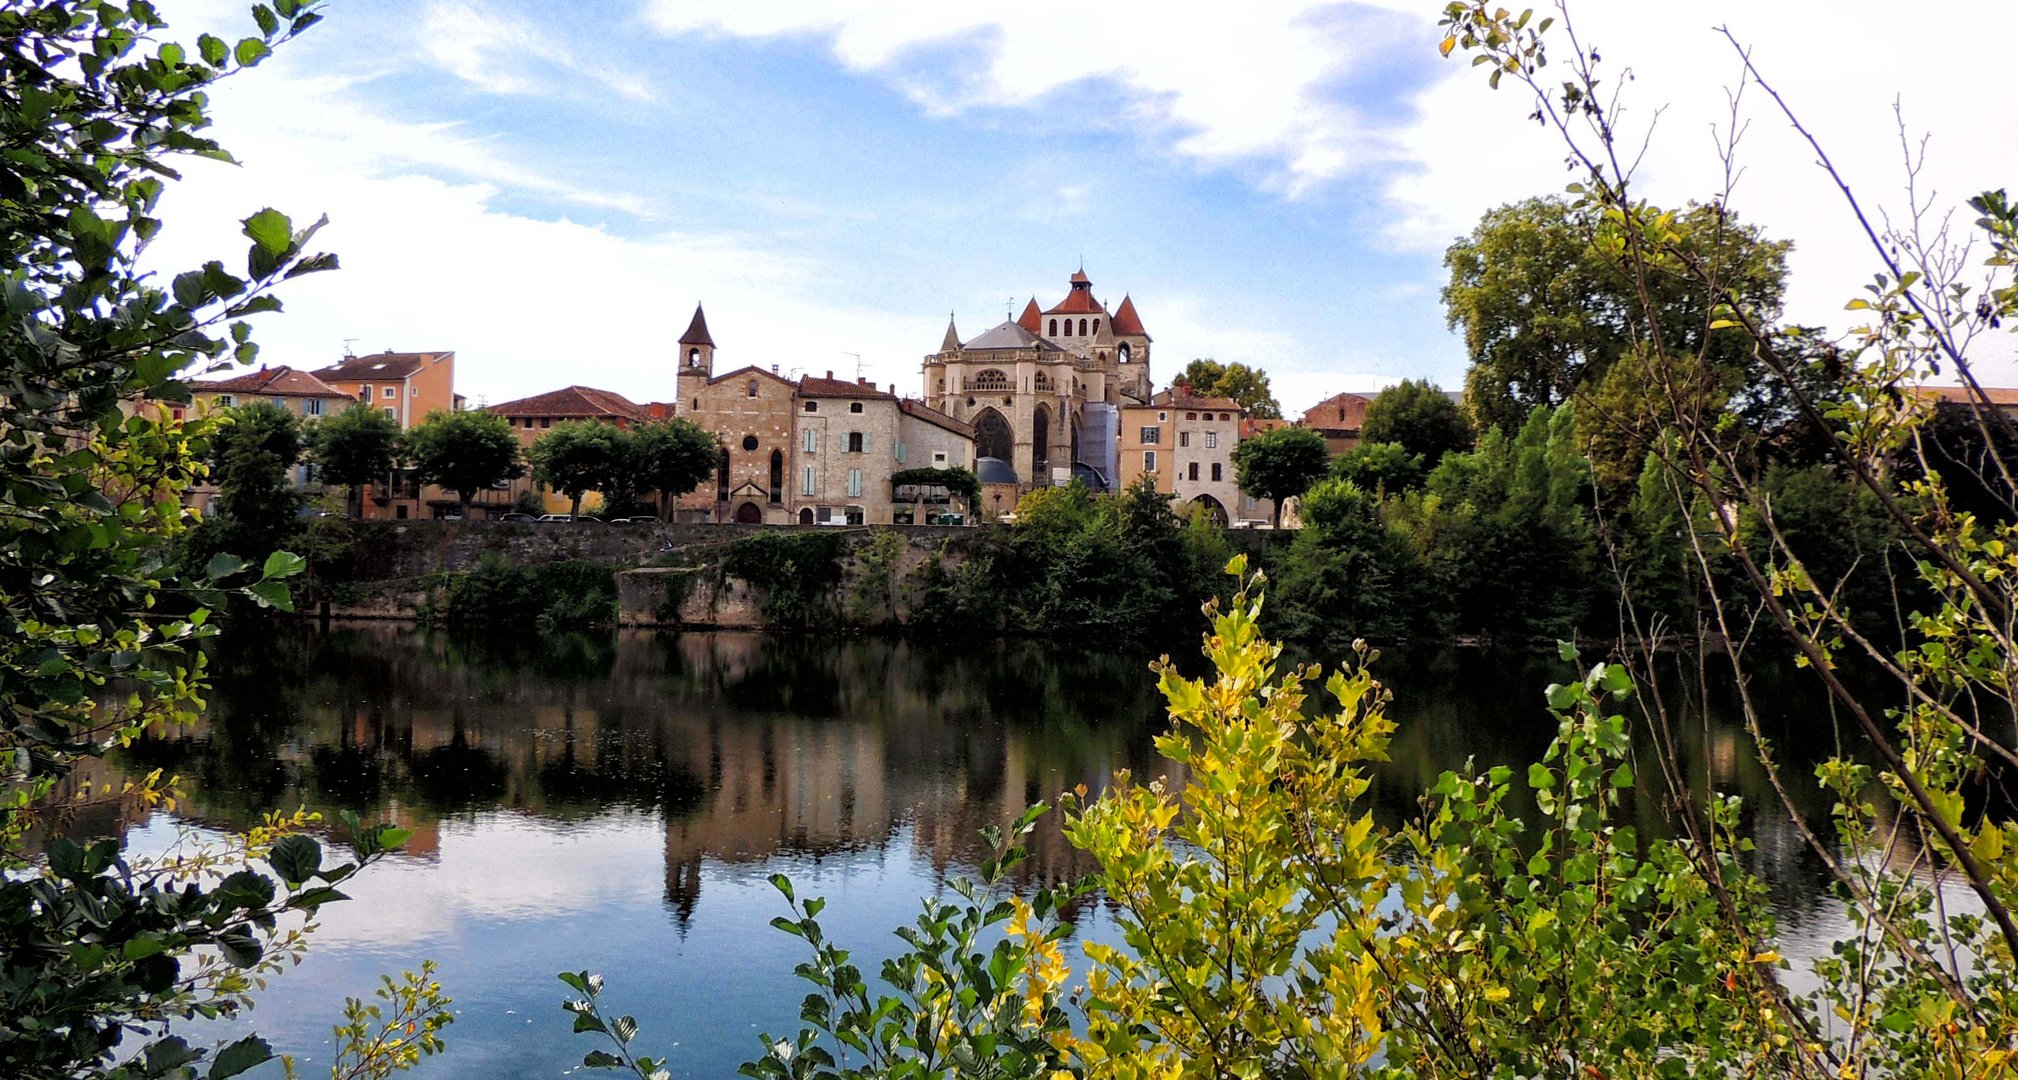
566, 595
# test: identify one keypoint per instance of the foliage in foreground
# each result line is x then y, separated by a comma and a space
103, 952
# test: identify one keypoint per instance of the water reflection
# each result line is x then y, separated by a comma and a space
615, 801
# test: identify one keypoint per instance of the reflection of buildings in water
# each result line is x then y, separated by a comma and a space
748, 746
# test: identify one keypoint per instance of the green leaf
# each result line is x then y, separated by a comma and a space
271, 230
1539, 777
240, 1056
295, 858
251, 51
284, 564
222, 565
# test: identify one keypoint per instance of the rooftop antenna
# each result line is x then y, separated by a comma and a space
1008, 305
347, 350
858, 362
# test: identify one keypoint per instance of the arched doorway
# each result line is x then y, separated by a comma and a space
806, 515
992, 436
1040, 438
1212, 508
749, 514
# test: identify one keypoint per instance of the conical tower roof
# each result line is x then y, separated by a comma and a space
1032, 318
697, 331
1126, 321
951, 343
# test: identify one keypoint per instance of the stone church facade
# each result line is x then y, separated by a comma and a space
1043, 393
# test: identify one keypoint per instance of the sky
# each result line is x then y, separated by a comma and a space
549, 188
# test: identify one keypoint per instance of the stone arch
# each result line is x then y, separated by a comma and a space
1054, 329
805, 515
749, 514
993, 437
1040, 441
1213, 508
1123, 352
989, 379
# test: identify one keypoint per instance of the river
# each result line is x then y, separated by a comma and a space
616, 802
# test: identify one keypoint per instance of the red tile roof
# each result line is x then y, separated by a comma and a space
573, 402
1126, 321
282, 381
815, 386
385, 365
751, 369
1961, 395
1174, 398
1079, 301
1031, 319
933, 416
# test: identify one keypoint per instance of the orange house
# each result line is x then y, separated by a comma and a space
405, 386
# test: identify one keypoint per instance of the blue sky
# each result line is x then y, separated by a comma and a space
549, 188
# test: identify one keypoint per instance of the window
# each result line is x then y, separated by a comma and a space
391, 413
749, 442
1122, 351
812, 406
1162, 416
413, 391
1212, 440
826, 514
899, 451
812, 440
855, 442
1151, 436
176, 414
1191, 473
1149, 461
1217, 472
750, 388
854, 483
854, 406
1194, 416
1184, 438
990, 379
390, 392
1082, 328
277, 402
312, 407
226, 400
546, 421
806, 480
777, 477
1096, 326
942, 386
856, 516
693, 358
1054, 328
939, 458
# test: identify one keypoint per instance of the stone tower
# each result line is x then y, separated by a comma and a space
697, 359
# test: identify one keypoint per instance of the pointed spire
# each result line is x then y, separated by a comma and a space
1126, 321
1031, 318
697, 331
952, 340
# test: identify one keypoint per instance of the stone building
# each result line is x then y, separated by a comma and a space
814, 451
1184, 445
1043, 392
1338, 419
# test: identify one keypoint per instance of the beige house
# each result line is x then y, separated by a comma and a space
405, 386
751, 411
1043, 392
535, 416
1184, 445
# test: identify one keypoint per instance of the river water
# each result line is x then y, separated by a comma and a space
615, 802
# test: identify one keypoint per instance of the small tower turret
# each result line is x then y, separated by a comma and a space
697, 358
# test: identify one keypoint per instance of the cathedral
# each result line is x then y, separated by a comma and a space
1044, 393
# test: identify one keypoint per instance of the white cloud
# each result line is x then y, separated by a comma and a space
505, 55
1226, 89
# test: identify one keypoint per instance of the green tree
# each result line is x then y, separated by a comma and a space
577, 457
1280, 464
1417, 414
465, 452
357, 446
1248, 386
254, 454
1380, 467
1545, 312
668, 457
104, 952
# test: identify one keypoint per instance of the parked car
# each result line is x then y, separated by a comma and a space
514, 516
635, 519
554, 517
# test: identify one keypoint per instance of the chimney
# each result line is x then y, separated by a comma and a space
860, 381
774, 369
830, 373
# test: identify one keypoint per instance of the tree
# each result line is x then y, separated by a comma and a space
104, 950
1417, 414
577, 457
1385, 468
357, 446
465, 452
669, 457
1280, 464
1545, 312
257, 501
1247, 386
